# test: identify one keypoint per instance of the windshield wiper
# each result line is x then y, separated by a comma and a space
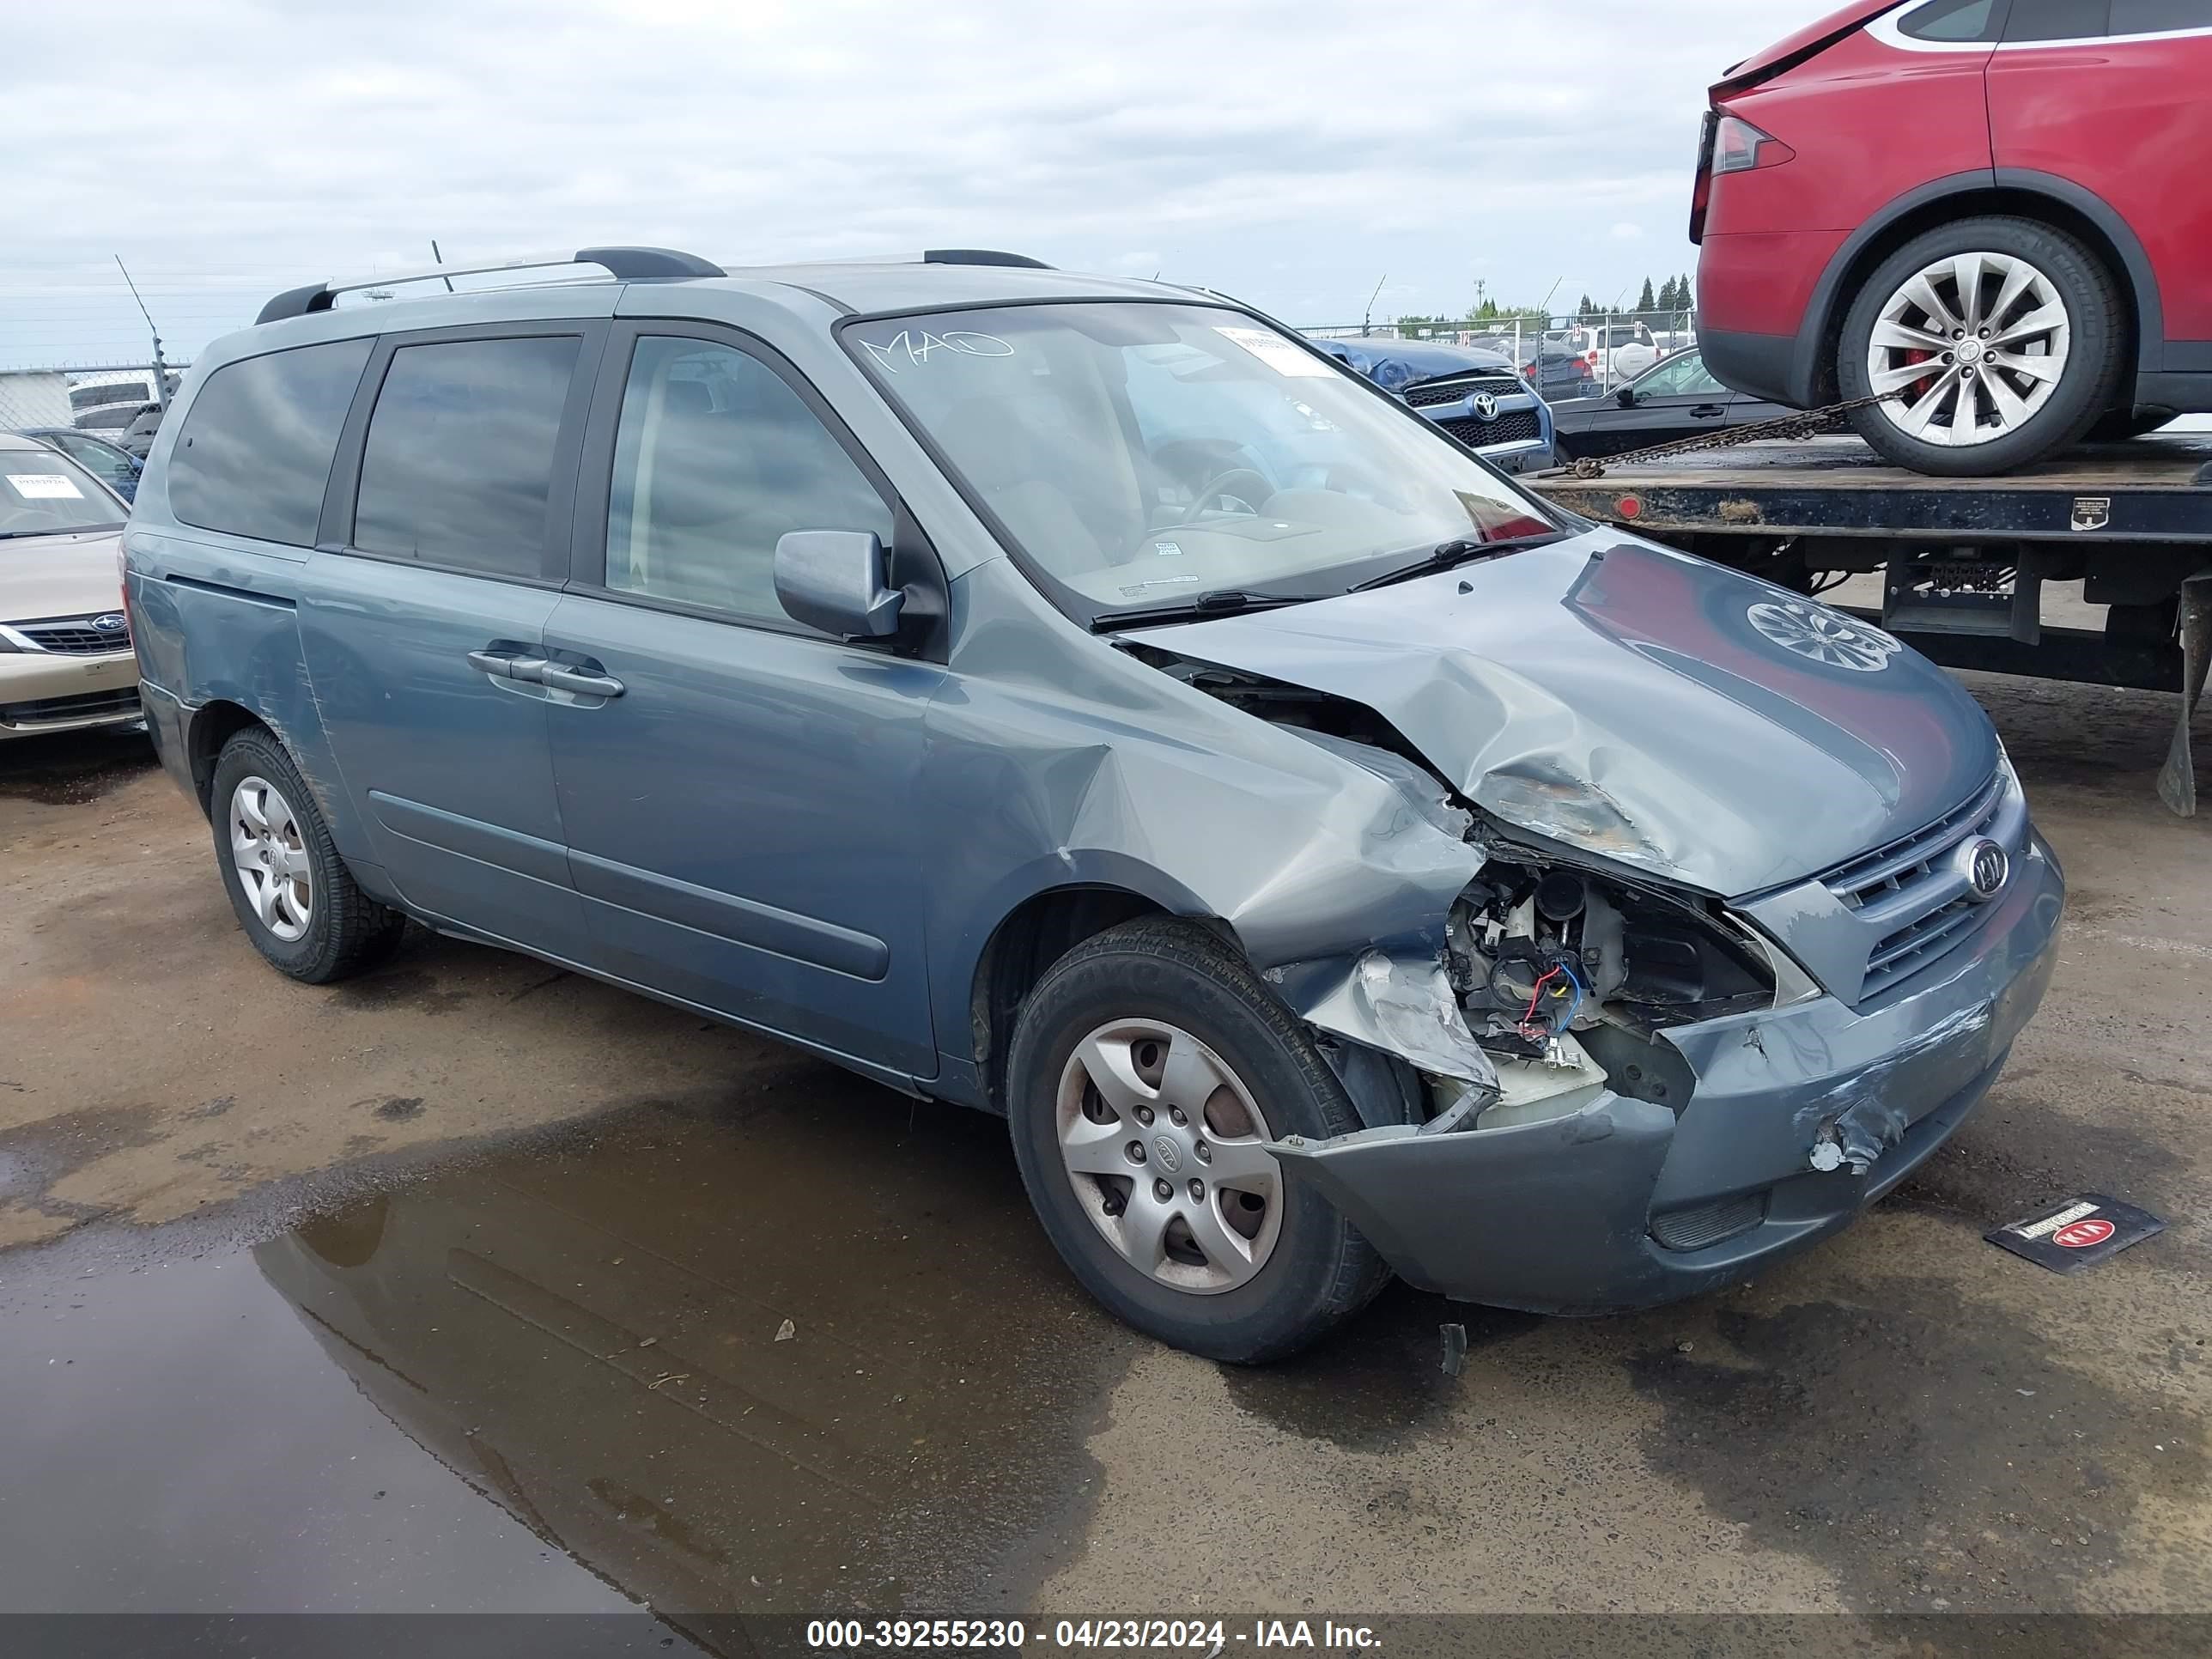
72, 530
1449, 554
1221, 602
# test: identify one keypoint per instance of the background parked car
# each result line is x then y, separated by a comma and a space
1676, 399
1545, 362
1477, 396
65, 657
1614, 351
112, 464
2000, 212
138, 436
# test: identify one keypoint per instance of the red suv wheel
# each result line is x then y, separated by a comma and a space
1997, 341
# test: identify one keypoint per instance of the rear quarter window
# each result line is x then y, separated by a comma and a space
1955, 20
255, 453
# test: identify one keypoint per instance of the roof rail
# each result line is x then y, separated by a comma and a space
625, 264
980, 256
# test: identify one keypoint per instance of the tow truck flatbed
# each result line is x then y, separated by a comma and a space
1963, 560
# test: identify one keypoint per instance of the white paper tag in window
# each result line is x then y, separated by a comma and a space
45, 486
1277, 353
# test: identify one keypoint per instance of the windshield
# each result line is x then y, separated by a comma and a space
1140, 456
42, 491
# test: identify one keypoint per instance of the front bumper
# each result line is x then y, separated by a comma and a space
1517, 459
43, 691
1566, 1215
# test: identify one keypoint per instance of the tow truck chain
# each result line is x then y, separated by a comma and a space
1811, 425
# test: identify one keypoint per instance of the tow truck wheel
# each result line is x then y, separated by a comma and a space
1150, 1069
1996, 342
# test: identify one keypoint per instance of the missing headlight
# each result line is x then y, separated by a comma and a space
1536, 951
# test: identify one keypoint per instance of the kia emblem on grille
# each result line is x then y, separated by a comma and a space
112, 622
1987, 869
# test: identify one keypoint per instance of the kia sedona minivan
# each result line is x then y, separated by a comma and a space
1082, 700
1995, 215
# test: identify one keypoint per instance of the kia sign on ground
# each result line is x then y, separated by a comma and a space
2078, 1233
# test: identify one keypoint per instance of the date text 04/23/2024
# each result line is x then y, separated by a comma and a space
1208, 1638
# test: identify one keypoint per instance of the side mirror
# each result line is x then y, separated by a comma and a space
833, 580
1625, 397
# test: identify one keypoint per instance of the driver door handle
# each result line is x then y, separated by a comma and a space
504, 666
1709, 412
561, 677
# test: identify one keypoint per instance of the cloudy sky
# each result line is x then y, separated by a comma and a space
1292, 152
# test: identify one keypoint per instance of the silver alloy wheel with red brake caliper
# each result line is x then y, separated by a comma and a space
1978, 342
1993, 342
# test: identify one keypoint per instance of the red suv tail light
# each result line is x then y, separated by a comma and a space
1738, 147
1729, 145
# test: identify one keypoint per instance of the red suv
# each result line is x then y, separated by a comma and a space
1997, 214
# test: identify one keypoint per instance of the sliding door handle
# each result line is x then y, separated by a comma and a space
561, 677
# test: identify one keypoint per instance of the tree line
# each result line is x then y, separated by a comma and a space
1674, 294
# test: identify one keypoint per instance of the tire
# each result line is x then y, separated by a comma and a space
329, 929
2041, 417
1309, 1269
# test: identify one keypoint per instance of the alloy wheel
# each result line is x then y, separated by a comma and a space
1166, 1150
1977, 343
271, 857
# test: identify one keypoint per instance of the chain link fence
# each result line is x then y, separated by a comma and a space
1616, 346
99, 397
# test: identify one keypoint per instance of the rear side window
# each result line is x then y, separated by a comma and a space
2155, 17
1955, 19
2059, 20
458, 469
256, 451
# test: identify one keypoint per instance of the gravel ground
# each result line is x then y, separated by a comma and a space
502, 1255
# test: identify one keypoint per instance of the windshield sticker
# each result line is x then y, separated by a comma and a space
1277, 353
44, 486
919, 346
1168, 549
1137, 591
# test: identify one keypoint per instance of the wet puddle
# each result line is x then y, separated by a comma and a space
73, 768
766, 1365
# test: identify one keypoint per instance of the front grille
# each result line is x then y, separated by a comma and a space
1451, 391
1708, 1223
1516, 426
75, 637
1912, 887
64, 711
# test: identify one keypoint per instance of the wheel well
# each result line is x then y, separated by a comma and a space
1928, 216
213, 725
1037, 933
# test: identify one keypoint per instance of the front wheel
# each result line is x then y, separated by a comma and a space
1150, 1069
1994, 341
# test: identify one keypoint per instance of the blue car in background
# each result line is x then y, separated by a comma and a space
112, 464
1477, 396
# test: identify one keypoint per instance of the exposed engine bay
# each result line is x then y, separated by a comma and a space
1563, 969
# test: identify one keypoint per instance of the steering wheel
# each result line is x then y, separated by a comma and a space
1219, 483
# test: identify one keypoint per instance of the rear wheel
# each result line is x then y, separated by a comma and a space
292, 893
1149, 1071
1997, 341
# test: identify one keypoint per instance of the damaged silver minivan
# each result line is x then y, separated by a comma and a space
1082, 700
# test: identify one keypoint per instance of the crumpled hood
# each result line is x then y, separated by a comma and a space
1665, 713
